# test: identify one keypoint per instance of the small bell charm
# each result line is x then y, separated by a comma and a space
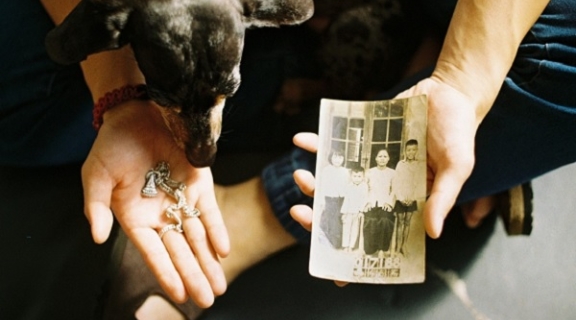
149, 189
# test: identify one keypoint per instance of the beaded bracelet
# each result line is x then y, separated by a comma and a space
114, 98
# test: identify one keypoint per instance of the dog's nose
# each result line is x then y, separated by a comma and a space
201, 157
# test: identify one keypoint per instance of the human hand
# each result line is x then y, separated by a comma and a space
452, 123
132, 140
305, 180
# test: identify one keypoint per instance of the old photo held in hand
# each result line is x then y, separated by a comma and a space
370, 191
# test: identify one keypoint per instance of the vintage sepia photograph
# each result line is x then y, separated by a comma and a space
370, 191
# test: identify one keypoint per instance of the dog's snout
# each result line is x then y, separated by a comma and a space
201, 149
196, 132
201, 156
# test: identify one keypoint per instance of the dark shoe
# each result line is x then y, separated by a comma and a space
515, 207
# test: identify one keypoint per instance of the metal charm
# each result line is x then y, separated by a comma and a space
159, 177
149, 189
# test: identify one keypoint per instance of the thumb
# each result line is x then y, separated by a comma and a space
97, 195
442, 198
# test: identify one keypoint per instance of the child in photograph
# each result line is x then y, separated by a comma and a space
379, 220
408, 185
334, 178
355, 203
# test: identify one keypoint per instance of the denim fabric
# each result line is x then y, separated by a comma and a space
283, 193
45, 109
530, 130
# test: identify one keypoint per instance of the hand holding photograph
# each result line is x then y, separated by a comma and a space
370, 191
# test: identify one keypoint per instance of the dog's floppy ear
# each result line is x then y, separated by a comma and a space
277, 12
91, 27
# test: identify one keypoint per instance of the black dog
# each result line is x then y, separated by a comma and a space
188, 50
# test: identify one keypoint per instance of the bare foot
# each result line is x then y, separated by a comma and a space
255, 233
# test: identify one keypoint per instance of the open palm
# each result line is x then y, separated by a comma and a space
132, 140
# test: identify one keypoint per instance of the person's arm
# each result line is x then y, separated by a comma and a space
104, 71
132, 139
478, 51
480, 46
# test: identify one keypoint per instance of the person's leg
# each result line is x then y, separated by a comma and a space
407, 219
530, 128
288, 270
526, 132
389, 222
354, 231
457, 246
400, 216
255, 232
256, 213
347, 231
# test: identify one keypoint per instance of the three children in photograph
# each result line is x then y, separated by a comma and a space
377, 204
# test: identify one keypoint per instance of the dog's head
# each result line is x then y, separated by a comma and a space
188, 50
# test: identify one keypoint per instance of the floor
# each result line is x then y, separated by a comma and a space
471, 274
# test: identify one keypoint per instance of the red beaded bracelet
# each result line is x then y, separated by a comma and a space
114, 98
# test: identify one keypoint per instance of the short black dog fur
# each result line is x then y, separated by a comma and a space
188, 50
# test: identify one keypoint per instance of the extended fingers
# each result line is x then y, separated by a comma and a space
302, 214
214, 223
177, 267
207, 259
208, 236
305, 181
97, 188
190, 265
200, 194
160, 262
307, 141
184, 263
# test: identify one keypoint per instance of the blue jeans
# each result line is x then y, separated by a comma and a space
530, 130
45, 108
